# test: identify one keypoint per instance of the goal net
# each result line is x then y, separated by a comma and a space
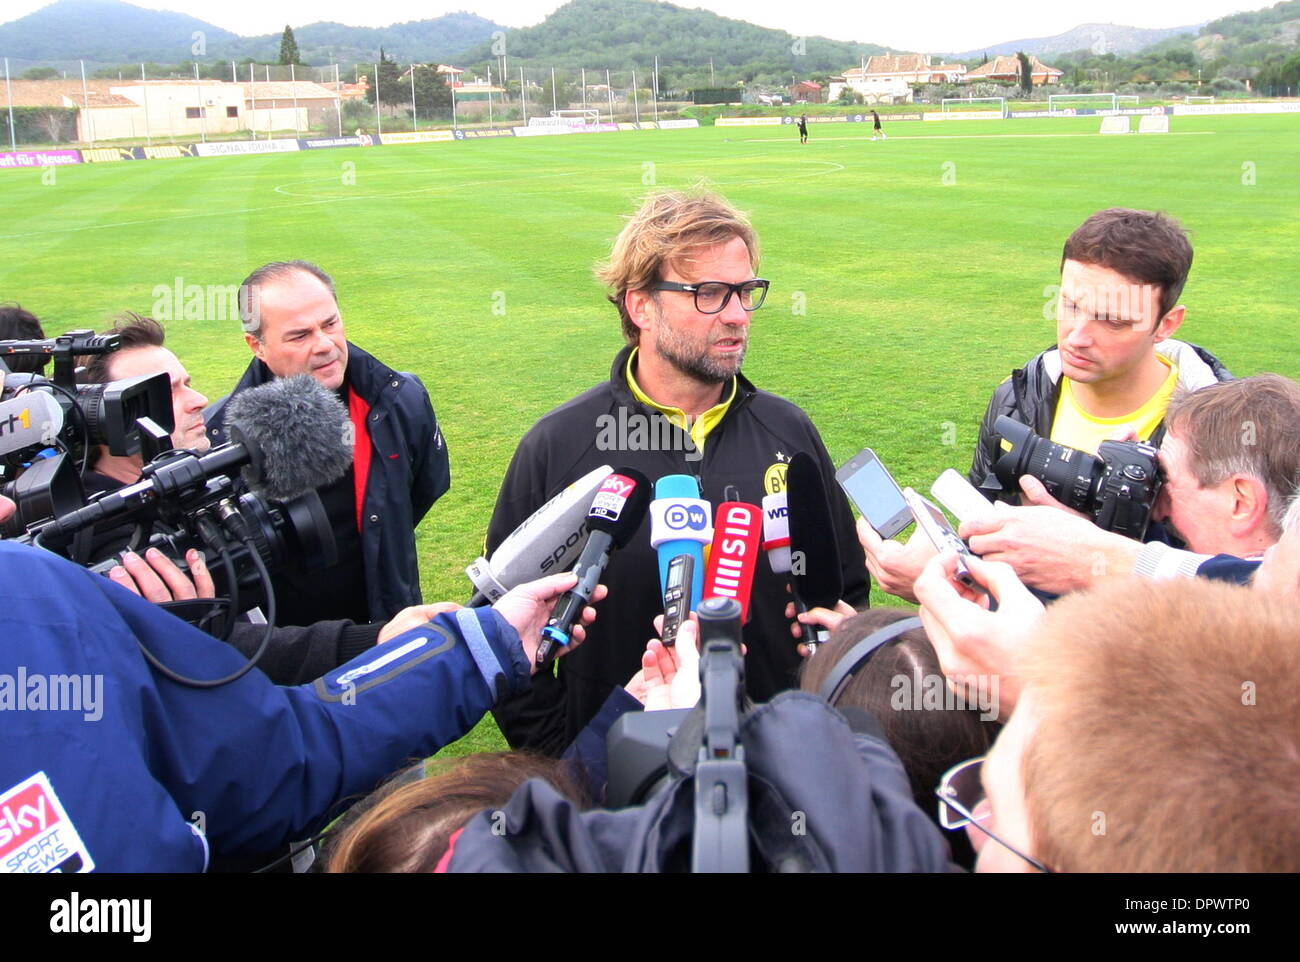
1060, 103
991, 105
1198, 100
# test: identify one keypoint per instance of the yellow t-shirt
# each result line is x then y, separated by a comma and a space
1077, 428
700, 428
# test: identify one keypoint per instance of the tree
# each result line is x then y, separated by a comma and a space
432, 95
389, 83
289, 47
39, 73
1026, 73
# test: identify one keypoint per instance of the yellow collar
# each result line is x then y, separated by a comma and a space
705, 423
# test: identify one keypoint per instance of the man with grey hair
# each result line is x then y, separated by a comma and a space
293, 325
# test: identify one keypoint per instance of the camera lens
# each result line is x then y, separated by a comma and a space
1069, 475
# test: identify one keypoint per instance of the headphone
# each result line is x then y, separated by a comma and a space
860, 654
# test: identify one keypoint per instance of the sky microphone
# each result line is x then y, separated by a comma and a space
544, 543
288, 436
815, 572
616, 513
679, 524
32, 419
733, 558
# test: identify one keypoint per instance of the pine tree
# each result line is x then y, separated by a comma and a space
289, 47
1026, 73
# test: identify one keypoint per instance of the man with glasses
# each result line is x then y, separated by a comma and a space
682, 275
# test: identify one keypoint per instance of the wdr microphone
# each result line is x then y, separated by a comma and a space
616, 513
679, 524
776, 532
733, 558
815, 572
543, 544
31, 419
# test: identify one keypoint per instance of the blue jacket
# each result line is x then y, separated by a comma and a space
132, 756
409, 471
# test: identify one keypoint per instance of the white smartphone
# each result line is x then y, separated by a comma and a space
959, 496
875, 493
941, 534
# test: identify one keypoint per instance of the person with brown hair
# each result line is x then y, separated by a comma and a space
682, 276
902, 686
1114, 368
406, 825
17, 324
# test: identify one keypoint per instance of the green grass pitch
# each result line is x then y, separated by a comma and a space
908, 276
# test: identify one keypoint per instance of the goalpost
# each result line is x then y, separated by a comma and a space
1106, 101
982, 104
1129, 99
1198, 100
566, 118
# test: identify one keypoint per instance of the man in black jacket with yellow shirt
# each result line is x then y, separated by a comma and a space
682, 277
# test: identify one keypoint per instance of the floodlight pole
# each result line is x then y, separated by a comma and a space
85, 100
252, 92
654, 94
293, 87
636, 101
609, 89
379, 123
491, 122
9, 89
523, 96
415, 123
584, 88
145, 92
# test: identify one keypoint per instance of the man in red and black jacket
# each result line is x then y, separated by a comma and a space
682, 278
400, 466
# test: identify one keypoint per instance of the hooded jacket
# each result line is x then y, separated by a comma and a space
1031, 393
749, 448
409, 471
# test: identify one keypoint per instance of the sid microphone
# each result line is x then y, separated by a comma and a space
542, 544
290, 436
733, 558
679, 524
616, 513
32, 419
815, 572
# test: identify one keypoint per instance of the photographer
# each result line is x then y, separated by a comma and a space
147, 773
17, 324
1113, 370
1231, 458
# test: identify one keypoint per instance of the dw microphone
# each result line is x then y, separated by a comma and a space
679, 524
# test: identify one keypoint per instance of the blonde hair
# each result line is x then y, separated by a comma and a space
669, 227
1165, 736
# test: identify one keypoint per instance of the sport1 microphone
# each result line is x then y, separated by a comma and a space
616, 513
32, 418
540, 545
290, 436
738, 531
817, 578
679, 524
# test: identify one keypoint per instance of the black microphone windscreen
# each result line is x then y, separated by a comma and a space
298, 432
815, 554
621, 505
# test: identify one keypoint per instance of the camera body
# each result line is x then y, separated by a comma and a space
1117, 488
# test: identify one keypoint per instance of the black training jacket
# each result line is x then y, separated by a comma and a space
755, 439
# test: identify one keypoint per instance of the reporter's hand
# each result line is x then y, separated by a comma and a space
968, 638
895, 566
414, 617
1052, 550
1036, 493
823, 617
528, 608
159, 580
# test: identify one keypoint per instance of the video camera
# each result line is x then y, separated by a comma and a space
1117, 488
66, 419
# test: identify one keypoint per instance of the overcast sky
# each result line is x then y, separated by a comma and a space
928, 26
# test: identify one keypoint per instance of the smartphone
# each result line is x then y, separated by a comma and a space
875, 493
677, 596
932, 521
959, 496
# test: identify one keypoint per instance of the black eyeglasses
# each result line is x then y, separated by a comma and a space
711, 297
960, 791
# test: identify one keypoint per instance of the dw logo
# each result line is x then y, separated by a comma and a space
679, 516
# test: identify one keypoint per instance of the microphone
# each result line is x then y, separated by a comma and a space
776, 532
32, 419
679, 524
289, 436
616, 513
539, 546
733, 558
815, 572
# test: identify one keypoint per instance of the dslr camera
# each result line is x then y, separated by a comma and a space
1117, 488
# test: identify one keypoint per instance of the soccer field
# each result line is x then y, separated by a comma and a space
908, 276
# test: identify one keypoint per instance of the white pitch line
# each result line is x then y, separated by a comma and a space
901, 137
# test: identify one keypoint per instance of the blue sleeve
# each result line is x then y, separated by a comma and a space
1225, 567
589, 750
259, 763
